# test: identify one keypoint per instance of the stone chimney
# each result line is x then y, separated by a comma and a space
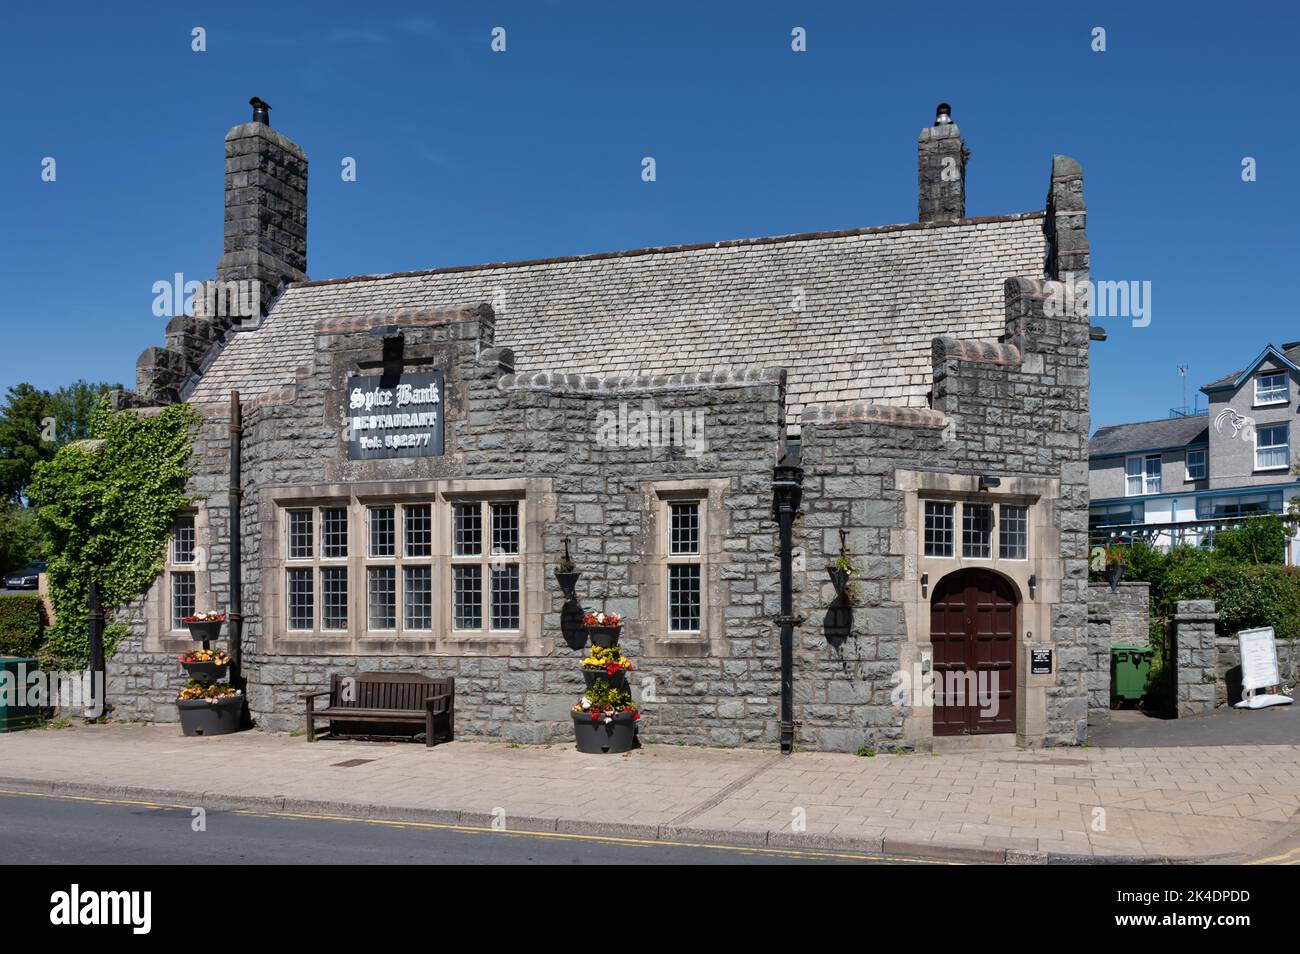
266, 206
265, 244
941, 169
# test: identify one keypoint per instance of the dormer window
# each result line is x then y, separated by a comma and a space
1270, 388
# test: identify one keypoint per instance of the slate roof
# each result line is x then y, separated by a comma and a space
1291, 351
1149, 435
872, 300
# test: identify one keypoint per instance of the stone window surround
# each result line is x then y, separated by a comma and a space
1033, 613
158, 633
652, 572
537, 508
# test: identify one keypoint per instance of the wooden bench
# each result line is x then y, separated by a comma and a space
387, 698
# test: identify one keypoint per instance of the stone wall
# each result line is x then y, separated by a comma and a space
1129, 610
1099, 642
1192, 633
499, 426
1227, 686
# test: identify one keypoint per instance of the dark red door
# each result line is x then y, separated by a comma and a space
973, 630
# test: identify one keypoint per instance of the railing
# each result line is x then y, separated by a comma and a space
1197, 533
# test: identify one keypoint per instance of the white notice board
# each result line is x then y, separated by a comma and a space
1258, 659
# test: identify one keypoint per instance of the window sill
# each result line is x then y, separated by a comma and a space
1278, 403
1272, 470
693, 645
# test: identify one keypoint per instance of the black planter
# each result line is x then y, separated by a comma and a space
1114, 573
206, 631
598, 737
604, 636
200, 717
614, 682
568, 582
839, 579
205, 671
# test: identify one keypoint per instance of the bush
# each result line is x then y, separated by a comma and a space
1261, 596
1258, 540
22, 624
1247, 594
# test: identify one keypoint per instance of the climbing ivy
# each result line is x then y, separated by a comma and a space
106, 507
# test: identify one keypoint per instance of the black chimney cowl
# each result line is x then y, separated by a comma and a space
261, 110
943, 115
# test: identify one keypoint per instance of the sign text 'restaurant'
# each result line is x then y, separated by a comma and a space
394, 417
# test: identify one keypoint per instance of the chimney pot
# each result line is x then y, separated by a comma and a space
941, 165
261, 110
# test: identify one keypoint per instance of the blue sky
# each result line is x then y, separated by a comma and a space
467, 156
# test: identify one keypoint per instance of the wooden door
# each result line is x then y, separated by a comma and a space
973, 630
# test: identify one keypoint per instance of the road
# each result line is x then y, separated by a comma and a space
45, 829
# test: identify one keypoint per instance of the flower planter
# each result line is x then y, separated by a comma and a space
568, 582
604, 636
839, 579
206, 630
615, 682
205, 671
200, 717
1114, 573
598, 737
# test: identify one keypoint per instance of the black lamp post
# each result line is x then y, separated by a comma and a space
787, 492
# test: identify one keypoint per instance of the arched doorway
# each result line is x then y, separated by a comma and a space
973, 631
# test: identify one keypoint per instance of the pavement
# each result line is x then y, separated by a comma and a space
1171, 803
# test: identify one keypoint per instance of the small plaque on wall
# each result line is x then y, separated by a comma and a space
1040, 661
394, 416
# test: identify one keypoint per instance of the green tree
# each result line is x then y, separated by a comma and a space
34, 424
20, 537
23, 421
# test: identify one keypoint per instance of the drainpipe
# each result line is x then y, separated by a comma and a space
95, 619
235, 617
787, 490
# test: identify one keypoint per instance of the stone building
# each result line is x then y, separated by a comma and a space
416, 447
1180, 479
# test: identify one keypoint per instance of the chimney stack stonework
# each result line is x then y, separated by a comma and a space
265, 207
941, 170
265, 242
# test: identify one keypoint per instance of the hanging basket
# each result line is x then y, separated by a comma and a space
568, 583
1115, 573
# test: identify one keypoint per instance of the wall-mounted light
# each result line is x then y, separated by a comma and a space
1033, 583
987, 481
925, 582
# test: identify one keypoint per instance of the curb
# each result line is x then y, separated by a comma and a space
669, 834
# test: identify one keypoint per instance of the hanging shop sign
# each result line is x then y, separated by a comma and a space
394, 416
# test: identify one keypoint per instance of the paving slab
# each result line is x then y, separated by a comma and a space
1131, 804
